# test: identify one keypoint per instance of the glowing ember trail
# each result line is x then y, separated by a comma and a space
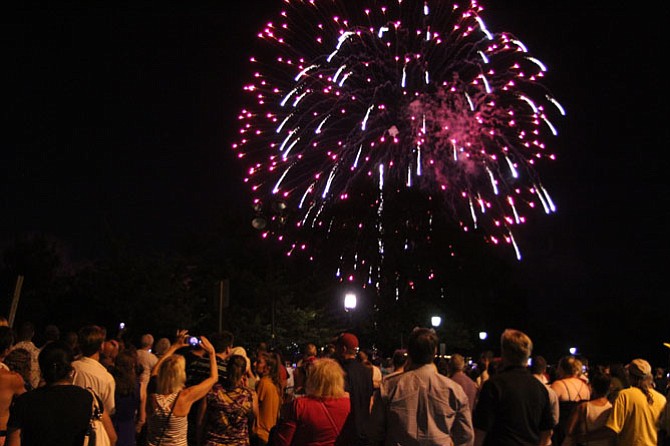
371, 127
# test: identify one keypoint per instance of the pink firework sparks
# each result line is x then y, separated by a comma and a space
370, 124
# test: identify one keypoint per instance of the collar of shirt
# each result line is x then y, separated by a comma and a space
92, 362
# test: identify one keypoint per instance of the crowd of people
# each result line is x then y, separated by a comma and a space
208, 391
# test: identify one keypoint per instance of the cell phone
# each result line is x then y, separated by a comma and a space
194, 341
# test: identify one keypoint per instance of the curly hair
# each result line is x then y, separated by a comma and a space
125, 373
18, 360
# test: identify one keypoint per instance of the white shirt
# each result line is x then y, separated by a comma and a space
90, 373
376, 376
147, 361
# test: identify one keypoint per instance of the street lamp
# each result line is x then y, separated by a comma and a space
573, 350
349, 306
349, 302
483, 335
436, 321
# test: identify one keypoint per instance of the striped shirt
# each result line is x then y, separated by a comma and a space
173, 430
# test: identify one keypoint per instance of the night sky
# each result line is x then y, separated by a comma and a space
123, 118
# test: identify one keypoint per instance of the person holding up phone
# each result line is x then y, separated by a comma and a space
197, 368
168, 407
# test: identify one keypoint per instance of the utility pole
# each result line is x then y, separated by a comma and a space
224, 299
15, 300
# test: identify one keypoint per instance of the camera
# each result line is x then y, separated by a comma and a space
194, 341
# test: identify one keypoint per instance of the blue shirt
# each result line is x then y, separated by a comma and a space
420, 407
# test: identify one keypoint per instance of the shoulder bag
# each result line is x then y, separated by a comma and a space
96, 435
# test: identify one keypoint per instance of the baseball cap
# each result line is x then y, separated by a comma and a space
639, 367
348, 340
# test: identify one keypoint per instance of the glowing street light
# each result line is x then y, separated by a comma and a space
435, 321
483, 335
349, 302
573, 350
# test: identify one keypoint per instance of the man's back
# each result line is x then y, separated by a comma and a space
198, 370
421, 407
634, 419
513, 408
469, 387
90, 373
358, 382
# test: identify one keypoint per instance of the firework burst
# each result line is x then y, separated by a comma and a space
371, 127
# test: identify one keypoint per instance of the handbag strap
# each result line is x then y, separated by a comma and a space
167, 420
337, 431
96, 410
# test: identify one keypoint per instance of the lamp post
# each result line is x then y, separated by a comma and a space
436, 321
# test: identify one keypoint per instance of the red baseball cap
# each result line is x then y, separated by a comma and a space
348, 340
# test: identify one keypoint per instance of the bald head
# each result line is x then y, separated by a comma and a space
456, 364
146, 341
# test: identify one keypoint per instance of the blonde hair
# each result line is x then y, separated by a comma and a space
569, 366
325, 379
171, 375
516, 347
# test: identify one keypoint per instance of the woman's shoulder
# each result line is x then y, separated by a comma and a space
238, 390
265, 382
329, 401
344, 400
247, 391
67, 395
308, 404
73, 390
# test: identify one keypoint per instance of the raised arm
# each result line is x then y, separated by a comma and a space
194, 393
